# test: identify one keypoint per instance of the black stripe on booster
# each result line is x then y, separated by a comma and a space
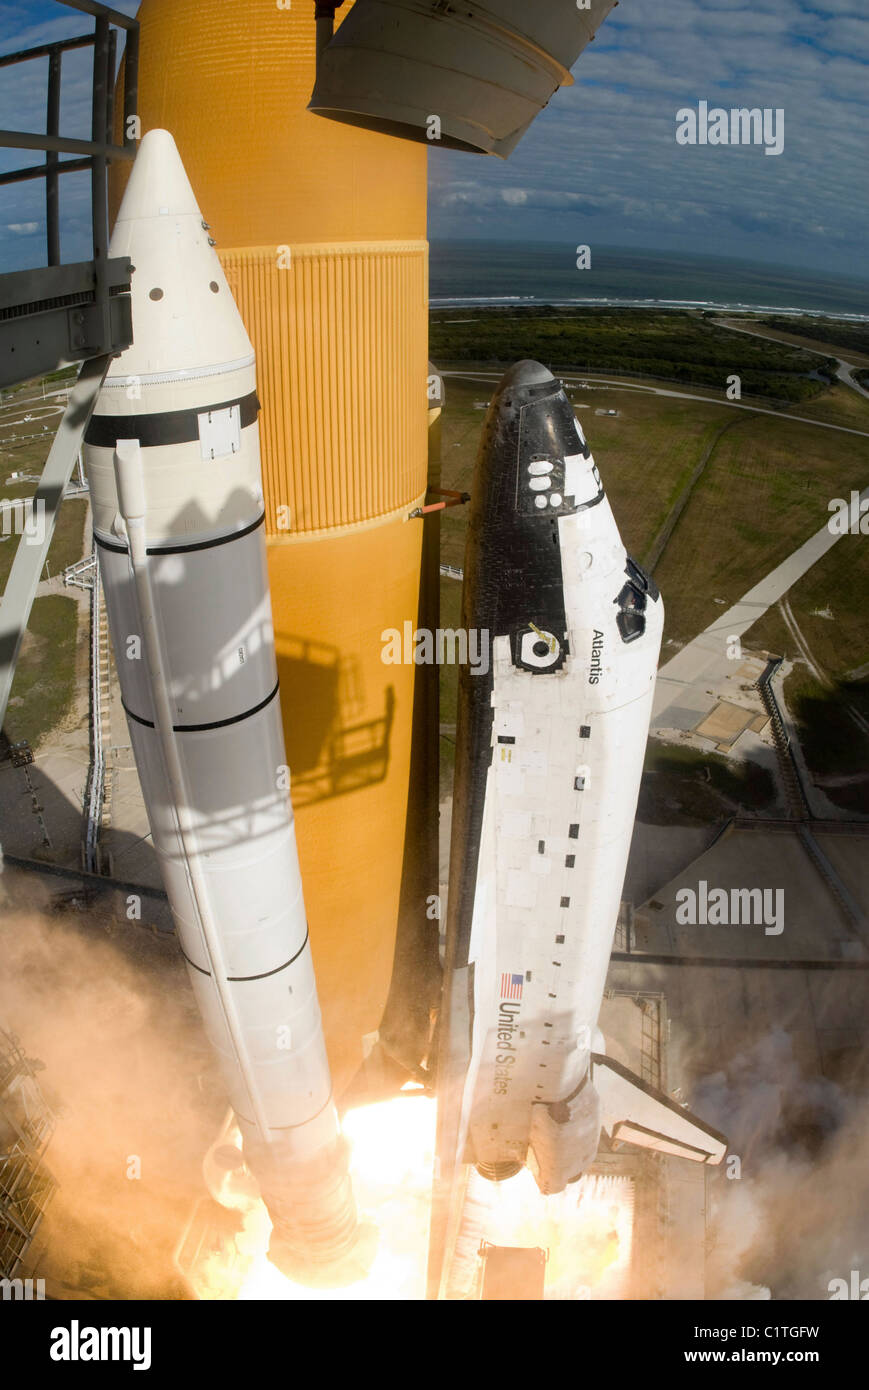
279, 1129
167, 427
204, 728
246, 979
182, 548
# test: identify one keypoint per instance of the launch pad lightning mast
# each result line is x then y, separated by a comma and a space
172, 457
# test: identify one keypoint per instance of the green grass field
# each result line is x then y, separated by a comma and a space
44, 685
829, 604
24, 447
67, 544
682, 786
839, 405
24, 444
684, 346
764, 490
848, 340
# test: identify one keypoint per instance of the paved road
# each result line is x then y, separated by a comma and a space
844, 370
679, 395
680, 694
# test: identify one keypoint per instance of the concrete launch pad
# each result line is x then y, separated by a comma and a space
724, 724
812, 923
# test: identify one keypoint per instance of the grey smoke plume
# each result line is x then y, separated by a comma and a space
799, 1214
129, 1071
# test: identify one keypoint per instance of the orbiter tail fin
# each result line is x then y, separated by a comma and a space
632, 1112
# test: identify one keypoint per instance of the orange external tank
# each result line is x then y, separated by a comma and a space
321, 229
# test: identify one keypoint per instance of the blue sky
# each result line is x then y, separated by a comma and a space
601, 164
24, 24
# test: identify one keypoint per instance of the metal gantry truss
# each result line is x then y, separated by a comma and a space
96, 783
26, 1126
57, 314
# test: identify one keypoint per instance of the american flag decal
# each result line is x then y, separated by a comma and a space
511, 986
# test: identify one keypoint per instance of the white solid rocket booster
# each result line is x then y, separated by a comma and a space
173, 463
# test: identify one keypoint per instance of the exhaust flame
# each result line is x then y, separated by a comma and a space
391, 1167
587, 1231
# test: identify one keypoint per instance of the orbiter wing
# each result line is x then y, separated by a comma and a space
633, 1112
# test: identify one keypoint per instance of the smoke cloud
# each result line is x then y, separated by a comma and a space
130, 1075
798, 1216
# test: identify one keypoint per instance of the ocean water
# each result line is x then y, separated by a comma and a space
469, 273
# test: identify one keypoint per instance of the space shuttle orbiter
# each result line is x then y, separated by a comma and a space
550, 748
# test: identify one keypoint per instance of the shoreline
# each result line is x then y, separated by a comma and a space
513, 301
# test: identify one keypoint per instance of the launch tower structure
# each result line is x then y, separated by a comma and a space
58, 314
26, 1126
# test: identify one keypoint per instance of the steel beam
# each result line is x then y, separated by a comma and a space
45, 50
37, 171
131, 87
30, 556
34, 291
52, 190
123, 21
24, 140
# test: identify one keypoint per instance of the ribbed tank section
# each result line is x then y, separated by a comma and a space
341, 338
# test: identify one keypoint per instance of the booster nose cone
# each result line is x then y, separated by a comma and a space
186, 387
158, 185
185, 319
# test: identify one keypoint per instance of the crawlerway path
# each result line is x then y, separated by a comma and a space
844, 370
571, 380
684, 679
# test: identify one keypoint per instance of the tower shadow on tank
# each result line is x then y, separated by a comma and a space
333, 744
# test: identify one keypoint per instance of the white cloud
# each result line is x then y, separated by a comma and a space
22, 228
604, 154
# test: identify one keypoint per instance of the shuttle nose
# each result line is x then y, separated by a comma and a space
526, 373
